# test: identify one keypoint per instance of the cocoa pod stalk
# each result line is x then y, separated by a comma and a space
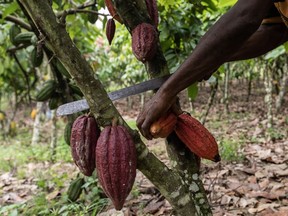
110, 30
152, 11
112, 11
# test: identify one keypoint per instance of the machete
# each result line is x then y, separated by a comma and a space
80, 105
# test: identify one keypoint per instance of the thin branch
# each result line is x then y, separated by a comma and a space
17, 21
74, 11
25, 74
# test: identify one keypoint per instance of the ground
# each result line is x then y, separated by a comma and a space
251, 179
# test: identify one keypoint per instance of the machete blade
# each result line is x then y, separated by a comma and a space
80, 105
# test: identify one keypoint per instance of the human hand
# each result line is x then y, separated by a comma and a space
152, 111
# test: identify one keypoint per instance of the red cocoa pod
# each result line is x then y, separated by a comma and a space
144, 41
153, 11
110, 30
116, 163
197, 138
164, 125
84, 136
112, 11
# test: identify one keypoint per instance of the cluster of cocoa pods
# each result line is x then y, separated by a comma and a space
144, 35
111, 152
190, 131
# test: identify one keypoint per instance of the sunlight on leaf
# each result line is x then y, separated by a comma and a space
226, 3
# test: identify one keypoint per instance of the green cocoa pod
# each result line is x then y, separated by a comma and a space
36, 57
75, 89
75, 189
13, 32
67, 132
93, 17
46, 91
24, 38
54, 101
60, 67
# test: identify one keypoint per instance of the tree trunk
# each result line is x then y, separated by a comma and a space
268, 83
37, 124
53, 142
209, 104
226, 89
283, 86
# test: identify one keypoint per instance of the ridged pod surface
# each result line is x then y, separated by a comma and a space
164, 125
112, 11
116, 163
110, 30
153, 11
144, 41
197, 138
84, 136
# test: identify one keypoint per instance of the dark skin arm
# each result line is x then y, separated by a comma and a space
230, 38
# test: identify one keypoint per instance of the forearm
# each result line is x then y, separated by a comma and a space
218, 44
266, 38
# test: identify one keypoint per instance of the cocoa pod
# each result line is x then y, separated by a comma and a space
197, 138
75, 189
84, 136
152, 11
116, 163
112, 11
164, 125
110, 30
144, 41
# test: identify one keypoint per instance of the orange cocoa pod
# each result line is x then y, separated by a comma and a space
112, 11
164, 125
116, 163
197, 138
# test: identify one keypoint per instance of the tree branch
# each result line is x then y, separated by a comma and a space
17, 21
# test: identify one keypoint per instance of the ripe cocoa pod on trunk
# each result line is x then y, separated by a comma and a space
153, 11
164, 125
110, 30
112, 11
197, 138
144, 41
116, 163
84, 136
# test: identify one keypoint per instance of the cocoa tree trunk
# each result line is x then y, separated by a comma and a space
226, 88
37, 124
171, 182
283, 86
53, 142
268, 83
209, 104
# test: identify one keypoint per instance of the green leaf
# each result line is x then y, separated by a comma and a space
286, 47
226, 3
10, 9
275, 53
192, 91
